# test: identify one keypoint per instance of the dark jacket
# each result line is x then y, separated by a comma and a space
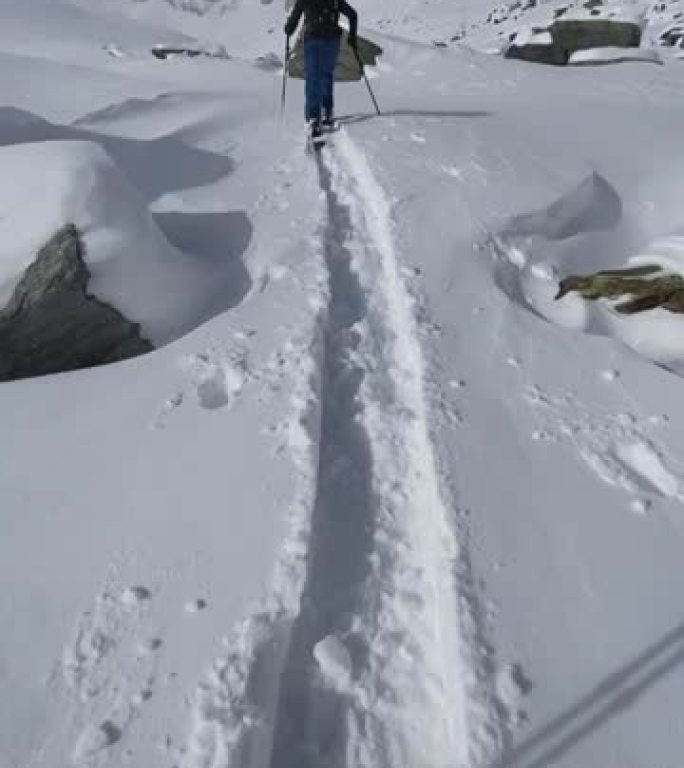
321, 18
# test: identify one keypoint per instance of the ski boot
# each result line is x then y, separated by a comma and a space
329, 123
316, 139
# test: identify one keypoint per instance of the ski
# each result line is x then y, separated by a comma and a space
315, 139
315, 144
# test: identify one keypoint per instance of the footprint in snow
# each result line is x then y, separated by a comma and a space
96, 739
134, 596
99, 631
649, 468
612, 446
213, 392
512, 686
169, 406
610, 374
217, 377
640, 507
88, 667
195, 606
217, 380
149, 647
138, 699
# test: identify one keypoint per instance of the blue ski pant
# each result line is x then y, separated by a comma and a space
320, 59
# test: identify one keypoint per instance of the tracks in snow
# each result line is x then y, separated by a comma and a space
392, 690
368, 645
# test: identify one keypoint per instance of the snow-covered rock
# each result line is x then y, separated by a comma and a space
615, 56
566, 38
133, 266
53, 324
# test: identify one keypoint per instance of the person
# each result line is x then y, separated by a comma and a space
322, 35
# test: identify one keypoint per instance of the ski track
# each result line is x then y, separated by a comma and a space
382, 549
362, 633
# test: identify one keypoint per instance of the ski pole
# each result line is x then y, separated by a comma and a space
287, 59
370, 90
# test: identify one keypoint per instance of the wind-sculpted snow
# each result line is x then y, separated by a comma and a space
593, 206
532, 249
581, 233
169, 272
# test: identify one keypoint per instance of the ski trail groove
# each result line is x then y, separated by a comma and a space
382, 549
343, 516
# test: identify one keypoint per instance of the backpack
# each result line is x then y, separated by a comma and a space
322, 18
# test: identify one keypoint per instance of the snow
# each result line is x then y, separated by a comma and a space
133, 265
610, 55
95, 739
333, 661
132, 596
529, 37
582, 232
378, 499
511, 688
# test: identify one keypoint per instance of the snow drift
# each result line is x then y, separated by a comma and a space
133, 265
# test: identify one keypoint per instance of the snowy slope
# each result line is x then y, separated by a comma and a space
390, 505
492, 30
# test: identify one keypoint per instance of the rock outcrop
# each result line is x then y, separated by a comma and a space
164, 52
571, 35
536, 53
637, 288
347, 68
52, 324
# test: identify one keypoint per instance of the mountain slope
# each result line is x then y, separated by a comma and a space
391, 505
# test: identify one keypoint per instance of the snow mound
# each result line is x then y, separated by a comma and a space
133, 265
593, 206
611, 55
333, 661
583, 232
237, 27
